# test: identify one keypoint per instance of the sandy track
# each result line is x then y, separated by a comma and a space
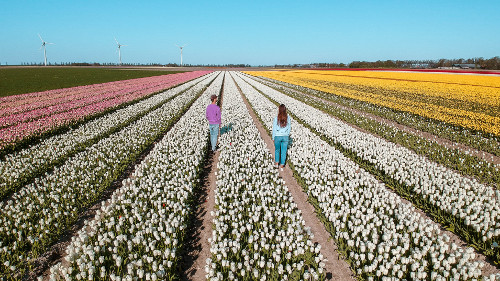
198, 247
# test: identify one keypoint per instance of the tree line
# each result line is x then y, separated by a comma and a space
475, 63
131, 64
478, 63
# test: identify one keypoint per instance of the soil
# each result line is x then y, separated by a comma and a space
198, 247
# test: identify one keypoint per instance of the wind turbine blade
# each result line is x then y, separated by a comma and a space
51, 43
117, 41
40, 37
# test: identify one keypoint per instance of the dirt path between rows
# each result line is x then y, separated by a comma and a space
198, 247
336, 268
428, 136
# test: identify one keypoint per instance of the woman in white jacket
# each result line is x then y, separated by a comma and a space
281, 133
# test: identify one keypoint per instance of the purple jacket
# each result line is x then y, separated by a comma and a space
213, 114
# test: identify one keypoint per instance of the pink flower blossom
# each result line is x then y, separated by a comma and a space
28, 115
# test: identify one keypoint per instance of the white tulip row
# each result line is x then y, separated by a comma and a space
37, 214
137, 233
382, 237
19, 166
259, 233
464, 198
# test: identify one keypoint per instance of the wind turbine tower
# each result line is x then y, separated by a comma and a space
44, 46
181, 51
119, 52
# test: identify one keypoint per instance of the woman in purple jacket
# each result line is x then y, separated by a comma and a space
213, 115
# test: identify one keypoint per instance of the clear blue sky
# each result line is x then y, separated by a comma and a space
252, 32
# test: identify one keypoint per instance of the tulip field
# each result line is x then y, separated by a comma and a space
23, 117
258, 231
397, 206
471, 102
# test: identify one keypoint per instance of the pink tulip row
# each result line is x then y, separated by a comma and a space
23, 103
99, 99
16, 100
62, 96
28, 112
13, 104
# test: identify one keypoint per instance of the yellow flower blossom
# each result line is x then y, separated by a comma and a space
470, 101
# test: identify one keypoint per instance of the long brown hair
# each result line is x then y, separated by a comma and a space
282, 116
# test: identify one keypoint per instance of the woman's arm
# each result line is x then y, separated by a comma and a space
288, 126
219, 116
275, 126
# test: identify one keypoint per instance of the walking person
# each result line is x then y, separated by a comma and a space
281, 133
213, 115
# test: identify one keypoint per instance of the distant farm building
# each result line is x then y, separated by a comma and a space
465, 65
420, 65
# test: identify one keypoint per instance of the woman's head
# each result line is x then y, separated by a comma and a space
213, 98
282, 116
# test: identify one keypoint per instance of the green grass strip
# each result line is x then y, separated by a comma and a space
22, 80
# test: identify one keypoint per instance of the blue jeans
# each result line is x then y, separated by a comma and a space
280, 147
214, 133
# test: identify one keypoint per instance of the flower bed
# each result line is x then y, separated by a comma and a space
37, 214
465, 101
18, 168
35, 122
469, 207
472, 138
138, 233
258, 232
379, 235
463, 162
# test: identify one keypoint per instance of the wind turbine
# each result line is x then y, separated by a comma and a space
44, 44
181, 51
119, 52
